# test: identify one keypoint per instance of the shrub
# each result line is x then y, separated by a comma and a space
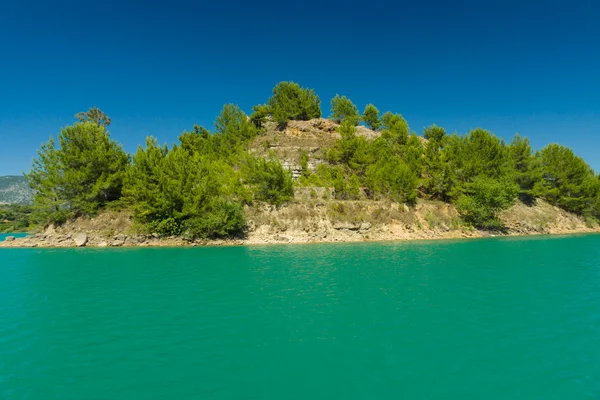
304, 164
271, 182
392, 178
221, 219
165, 227
487, 197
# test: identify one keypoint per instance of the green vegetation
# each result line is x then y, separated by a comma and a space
395, 128
14, 217
343, 110
201, 185
82, 175
371, 117
487, 197
292, 102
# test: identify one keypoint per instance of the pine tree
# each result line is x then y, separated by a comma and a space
82, 175
94, 115
395, 128
566, 180
343, 110
371, 117
292, 102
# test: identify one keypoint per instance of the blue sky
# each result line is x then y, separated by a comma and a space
155, 68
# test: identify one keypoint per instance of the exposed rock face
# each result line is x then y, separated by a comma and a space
80, 239
346, 225
365, 226
311, 138
9, 238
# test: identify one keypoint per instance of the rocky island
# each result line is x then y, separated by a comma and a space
284, 174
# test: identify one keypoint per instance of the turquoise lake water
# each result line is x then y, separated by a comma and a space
501, 318
17, 235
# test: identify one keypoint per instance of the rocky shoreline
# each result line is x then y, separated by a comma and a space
316, 222
341, 235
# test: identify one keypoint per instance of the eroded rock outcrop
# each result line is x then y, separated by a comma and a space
80, 239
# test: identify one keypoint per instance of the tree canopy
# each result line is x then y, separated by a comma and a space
292, 102
94, 115
343, 110
83, 173
370, 117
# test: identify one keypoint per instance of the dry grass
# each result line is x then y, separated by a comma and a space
106, 224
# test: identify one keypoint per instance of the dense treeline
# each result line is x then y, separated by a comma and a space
199, 186
14, 217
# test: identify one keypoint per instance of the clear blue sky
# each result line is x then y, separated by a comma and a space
531, 67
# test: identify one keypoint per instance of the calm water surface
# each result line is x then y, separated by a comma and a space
480, 319
17, 235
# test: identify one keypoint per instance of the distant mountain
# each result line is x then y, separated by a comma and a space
14, 189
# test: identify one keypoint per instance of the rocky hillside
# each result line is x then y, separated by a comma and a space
313, 138
14, 190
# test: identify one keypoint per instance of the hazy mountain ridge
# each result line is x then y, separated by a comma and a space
14, 190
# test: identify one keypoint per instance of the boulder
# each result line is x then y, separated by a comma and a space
138, 239
102, 244
365, 226
10, 239
80, 239
346, 225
